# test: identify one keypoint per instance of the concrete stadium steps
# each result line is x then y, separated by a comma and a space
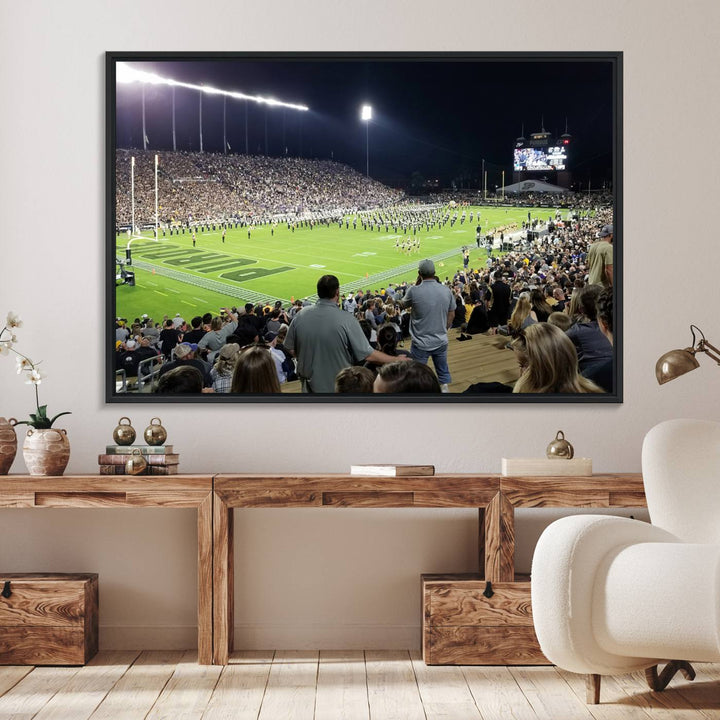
291, 387
482, 359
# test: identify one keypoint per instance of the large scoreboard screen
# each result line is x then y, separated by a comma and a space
530, 159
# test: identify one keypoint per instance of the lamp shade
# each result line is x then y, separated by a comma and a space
675, 363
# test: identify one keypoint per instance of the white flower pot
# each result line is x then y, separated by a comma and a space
46, 451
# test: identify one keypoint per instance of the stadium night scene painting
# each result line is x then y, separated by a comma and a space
235, 182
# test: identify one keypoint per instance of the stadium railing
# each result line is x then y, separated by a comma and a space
121, 385
148, 371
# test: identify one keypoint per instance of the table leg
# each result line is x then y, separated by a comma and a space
481, 541
499, 545
205, 579
223, 581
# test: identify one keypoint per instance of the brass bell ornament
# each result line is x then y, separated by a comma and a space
136, 463
560, 448
155, 433
124, 433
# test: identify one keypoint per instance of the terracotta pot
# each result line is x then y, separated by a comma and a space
8, 444
46, 452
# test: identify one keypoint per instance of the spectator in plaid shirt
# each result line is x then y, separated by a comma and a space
222, 371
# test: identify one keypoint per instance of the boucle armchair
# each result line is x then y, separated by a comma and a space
614, 595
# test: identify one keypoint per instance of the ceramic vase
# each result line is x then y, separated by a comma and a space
46, 451
8, 444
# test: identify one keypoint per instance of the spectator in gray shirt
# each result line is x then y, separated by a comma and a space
432, 307
324, 339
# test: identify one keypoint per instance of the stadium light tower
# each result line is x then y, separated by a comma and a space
173, 119
125, 73
145, 137
157, 237
366, 117
200, 116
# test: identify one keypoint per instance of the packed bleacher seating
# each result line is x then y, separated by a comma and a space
214, 187
579, 201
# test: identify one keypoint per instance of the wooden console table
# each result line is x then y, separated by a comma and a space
92, 491
616, 490
215, 497
495, 497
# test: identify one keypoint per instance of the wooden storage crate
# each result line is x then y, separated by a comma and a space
461, 626
48, 618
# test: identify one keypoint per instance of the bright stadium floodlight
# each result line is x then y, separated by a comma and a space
366, 117
125, 74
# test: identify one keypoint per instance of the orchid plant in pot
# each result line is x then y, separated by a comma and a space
46, 449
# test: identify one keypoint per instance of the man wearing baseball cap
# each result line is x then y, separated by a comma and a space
432, 309
600, 258
185, 355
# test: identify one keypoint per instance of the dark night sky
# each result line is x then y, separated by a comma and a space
440, 118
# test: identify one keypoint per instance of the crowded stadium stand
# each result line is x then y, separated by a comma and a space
547, 258
205, 187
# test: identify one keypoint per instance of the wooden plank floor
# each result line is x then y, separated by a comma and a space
343, 685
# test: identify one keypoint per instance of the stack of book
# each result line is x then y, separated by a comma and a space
392, 470
160, 459
547, 467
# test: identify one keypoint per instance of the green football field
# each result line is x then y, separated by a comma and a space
173, 277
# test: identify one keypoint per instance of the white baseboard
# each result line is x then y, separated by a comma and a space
266, 637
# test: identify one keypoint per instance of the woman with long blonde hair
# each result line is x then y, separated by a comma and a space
548, 362
523, 314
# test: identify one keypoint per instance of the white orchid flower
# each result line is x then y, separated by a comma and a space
35, 377
13, 320
29, 370
23, 364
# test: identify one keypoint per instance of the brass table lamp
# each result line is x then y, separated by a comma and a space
677, 362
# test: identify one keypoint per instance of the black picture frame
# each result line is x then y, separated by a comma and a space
485, 61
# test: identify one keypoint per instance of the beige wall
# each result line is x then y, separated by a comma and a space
365, 563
